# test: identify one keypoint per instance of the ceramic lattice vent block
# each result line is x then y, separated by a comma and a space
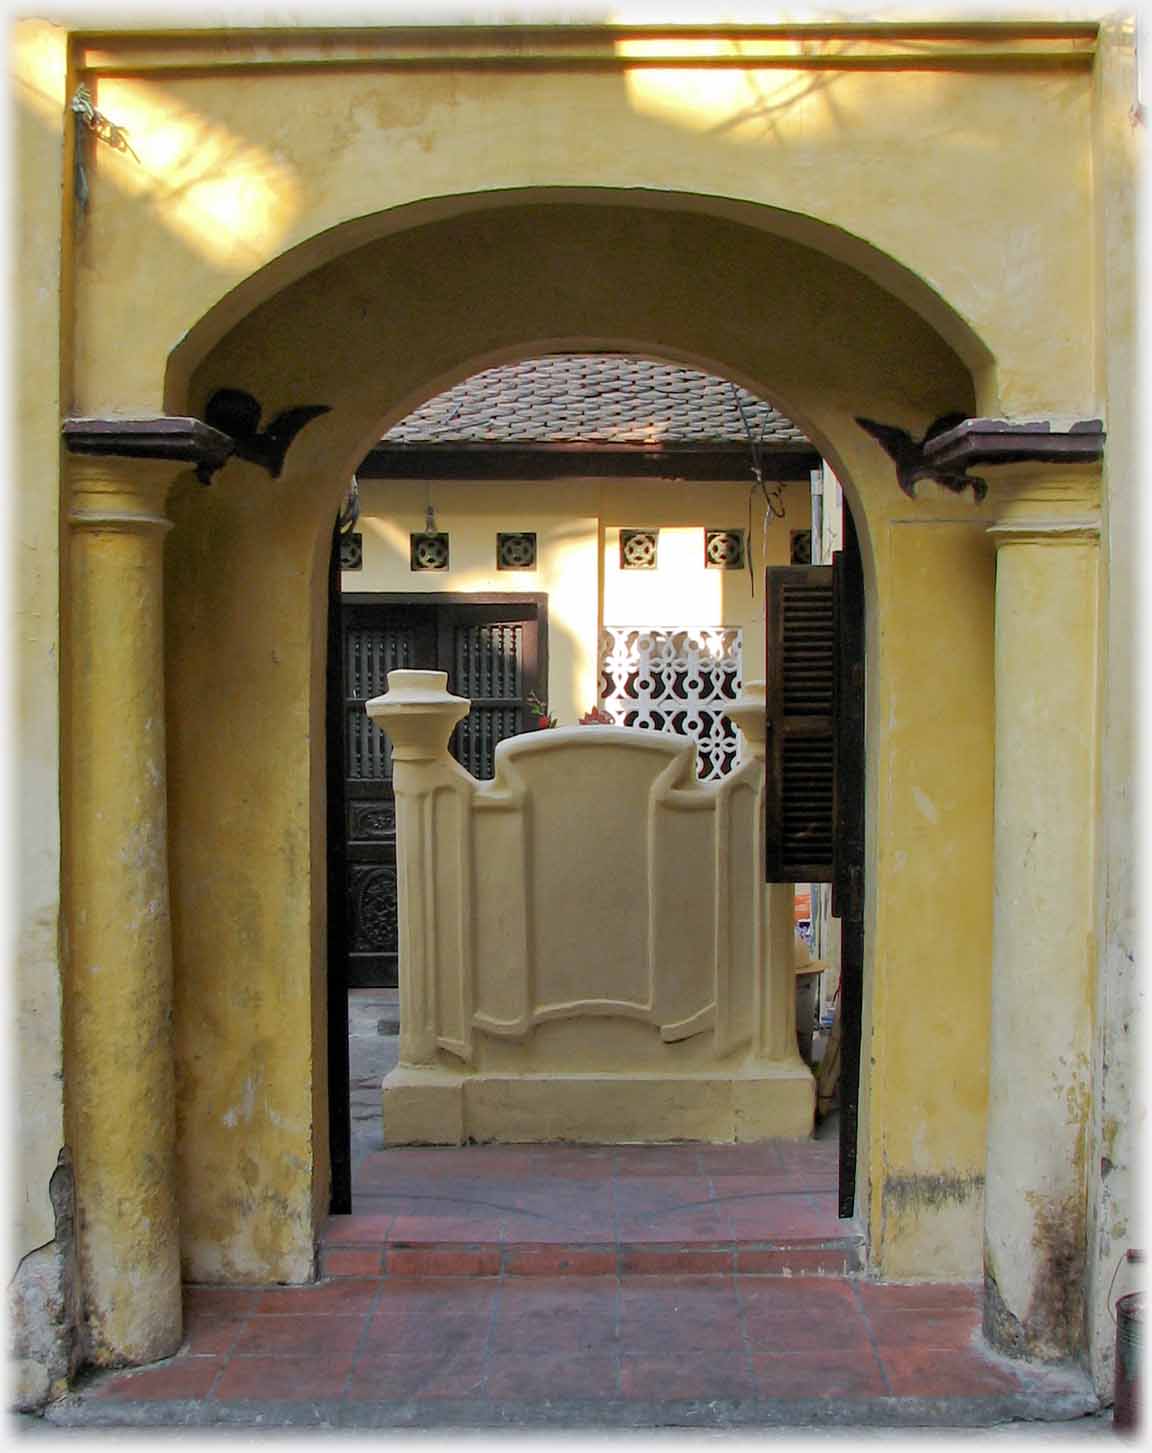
429, 551
352, 551
516, 551
724, 549
638, 549
801, 547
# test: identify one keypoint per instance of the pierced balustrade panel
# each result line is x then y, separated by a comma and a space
677, 681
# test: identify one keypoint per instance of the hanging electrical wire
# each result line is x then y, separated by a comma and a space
772, 494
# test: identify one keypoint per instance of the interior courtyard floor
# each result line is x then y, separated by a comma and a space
561, 1286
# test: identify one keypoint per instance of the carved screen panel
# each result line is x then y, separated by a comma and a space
369, 654
488, 668
677, 681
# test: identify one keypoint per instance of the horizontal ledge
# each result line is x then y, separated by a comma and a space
567, 461
1049, 532
1000, 441
803, 46
1003, 61
183, 440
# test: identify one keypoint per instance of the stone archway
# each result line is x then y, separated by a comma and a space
370, 333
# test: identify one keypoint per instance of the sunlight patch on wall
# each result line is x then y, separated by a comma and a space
741, 104
230, 199
39, 69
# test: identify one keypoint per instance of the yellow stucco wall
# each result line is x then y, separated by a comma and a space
577, 525
363, 238
34, 638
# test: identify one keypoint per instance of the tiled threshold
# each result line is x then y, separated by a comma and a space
586, 1210
599, 1287
581, 1352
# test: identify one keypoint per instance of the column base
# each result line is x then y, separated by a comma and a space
437, 1106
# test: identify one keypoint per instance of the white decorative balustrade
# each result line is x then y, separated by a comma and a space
587, 947
681, 681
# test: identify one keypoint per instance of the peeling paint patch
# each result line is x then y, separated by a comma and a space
43, 1305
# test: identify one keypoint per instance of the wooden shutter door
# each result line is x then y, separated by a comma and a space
801, 740
814, 797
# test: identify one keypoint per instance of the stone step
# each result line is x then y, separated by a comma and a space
357, 1246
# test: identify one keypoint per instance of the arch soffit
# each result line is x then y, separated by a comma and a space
307, 257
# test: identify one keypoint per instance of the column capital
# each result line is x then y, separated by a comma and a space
119, 494
1061, 530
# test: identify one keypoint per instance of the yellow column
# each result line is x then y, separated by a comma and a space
1042, 974
120, 1071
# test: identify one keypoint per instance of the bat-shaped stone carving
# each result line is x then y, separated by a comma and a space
237, 414
908, 456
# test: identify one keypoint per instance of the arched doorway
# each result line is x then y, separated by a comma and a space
655, 627
400, 319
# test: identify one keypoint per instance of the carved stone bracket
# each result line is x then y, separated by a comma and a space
183, 440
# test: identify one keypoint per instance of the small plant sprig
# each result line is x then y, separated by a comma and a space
539, 709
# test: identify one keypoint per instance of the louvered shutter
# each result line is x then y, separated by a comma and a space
801, 736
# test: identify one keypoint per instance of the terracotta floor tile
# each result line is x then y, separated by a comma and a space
211, 1336
290, 1378
551, 1325
683, 1317
654, 1259
444, 1259
815, 1299
667, 1377
805, 1334
430, 1224
221, 1301
637, 1161
342, 1296
643, 1193
189, 1377
304, 1335
768, 1217
563, 1259
816, 1374
546, 1374
350, 1261
362, 1228
750, 1159
711, 1228
451, 1373
931, 1372
920, 1295
930, 1327
808, 1262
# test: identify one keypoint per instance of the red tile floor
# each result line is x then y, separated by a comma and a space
586, 1287
552, 1209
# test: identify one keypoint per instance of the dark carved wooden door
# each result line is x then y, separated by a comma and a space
376, 639
492, 650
